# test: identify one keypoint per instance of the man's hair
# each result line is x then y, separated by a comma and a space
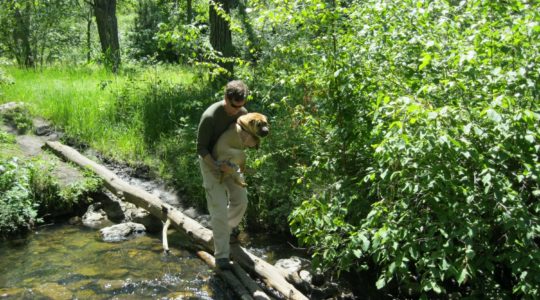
236, 90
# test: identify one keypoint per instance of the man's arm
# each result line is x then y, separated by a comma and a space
203, 140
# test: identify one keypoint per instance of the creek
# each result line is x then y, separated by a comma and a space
63, 261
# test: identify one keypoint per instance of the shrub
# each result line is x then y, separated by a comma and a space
6, 138
29, 191
459, 193
20, 117
142, 39
387, 91
17, 208
52, 197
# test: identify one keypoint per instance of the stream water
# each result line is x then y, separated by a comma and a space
71, 262
64, 261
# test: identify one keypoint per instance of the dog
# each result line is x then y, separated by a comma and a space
245, 133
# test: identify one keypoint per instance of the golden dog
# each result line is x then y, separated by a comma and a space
245, 133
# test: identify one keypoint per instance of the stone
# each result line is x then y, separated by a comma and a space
122, 232
95, 217
53, 290
42, 127
204, 220
292, 264
10, 106
305, 276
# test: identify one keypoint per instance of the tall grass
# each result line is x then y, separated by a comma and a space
95, 106
144, 116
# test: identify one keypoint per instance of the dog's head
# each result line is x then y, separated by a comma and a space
255, 124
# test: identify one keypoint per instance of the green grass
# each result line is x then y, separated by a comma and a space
144, 116
95, 106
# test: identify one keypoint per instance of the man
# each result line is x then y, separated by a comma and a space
227, 201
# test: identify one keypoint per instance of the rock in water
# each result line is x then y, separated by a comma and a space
122, 232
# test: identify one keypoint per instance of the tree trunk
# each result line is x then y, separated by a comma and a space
21, 37
220, 34
105, 13
89, 36
189, 11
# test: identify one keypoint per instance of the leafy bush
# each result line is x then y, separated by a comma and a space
6, 138
419, 149
459, 193
52, 197
17, 208
20, 117
28, 192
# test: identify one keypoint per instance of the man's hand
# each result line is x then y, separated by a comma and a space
213, 165
225, 167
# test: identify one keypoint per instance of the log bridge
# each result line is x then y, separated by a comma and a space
244, 261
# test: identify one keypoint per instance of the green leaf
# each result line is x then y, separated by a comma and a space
426, 59
380, 283
486, 179
463, 275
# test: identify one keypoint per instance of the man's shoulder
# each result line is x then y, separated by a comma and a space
213, 109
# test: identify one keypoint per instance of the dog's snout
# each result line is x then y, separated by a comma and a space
264, 131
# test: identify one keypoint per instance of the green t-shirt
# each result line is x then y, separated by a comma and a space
214, 121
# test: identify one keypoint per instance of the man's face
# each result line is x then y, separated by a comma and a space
233, 106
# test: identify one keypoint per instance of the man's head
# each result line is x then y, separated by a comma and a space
236, 93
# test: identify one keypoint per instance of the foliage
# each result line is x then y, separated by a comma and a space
17, 208
378, 95
6, 138
20, 117
54, 197
30, 191
49, 29
458, 192
5, 78
143, 37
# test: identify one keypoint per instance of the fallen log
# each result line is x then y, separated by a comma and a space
267, 272
254, 289
228, 276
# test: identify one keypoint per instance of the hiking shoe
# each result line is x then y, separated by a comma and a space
233, 238
223, 264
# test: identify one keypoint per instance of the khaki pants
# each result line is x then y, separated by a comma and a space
227, 203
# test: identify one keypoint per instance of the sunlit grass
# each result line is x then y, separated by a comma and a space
84, 101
